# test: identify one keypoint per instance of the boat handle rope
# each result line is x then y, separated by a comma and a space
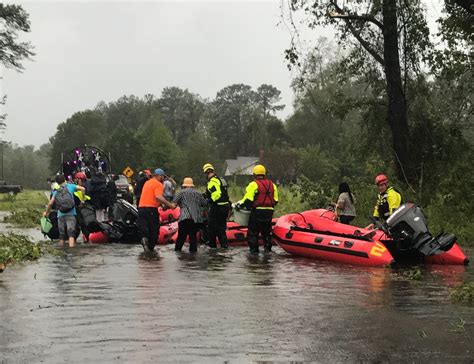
349, 236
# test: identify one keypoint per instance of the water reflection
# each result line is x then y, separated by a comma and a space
113, 303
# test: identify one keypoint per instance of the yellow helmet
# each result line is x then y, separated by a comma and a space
207, 167
259, 170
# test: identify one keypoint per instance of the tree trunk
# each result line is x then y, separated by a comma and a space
397, 110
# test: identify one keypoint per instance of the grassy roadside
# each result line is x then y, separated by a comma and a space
28, 199
25, 208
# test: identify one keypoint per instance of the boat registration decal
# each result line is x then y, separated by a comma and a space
377, 250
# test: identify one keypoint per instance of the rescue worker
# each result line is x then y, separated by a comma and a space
148, 216
80, 196
388, 199
218, 198
261, 197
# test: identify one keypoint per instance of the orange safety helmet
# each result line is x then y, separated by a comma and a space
381, 179
80, 175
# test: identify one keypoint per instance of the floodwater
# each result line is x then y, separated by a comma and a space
110, 303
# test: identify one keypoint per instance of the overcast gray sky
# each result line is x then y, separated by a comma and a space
92, 51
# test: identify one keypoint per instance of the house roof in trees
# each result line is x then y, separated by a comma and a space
241, 166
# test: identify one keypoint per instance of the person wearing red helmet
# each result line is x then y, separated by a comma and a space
388, 199
80, 196
80, 176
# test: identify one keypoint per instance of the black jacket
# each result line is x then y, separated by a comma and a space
98, 192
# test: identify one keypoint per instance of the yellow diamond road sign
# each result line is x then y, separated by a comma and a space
128, 172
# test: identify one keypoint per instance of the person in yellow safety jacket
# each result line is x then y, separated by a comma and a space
261, 196
80, 179
388, 199
218, 198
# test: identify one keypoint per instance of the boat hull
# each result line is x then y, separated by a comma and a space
316, 234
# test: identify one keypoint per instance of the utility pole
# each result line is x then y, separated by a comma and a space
2, 115
1, 141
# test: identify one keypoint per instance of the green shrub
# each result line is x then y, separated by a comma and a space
24, 218
17, 248
289, 199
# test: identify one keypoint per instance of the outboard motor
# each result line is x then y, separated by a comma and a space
407, 225
124, 222
124, 212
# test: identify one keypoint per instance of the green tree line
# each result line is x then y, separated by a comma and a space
384, 97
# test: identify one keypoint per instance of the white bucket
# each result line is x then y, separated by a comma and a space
241, 216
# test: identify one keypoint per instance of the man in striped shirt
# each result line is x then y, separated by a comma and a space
191, 203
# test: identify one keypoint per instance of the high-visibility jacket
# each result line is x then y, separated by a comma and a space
216, 191
81, 195
261, 194
387, 203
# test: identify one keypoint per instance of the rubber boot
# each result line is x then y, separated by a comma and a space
144, 242
253, 246
268, 245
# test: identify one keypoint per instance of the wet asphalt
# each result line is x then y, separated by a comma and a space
111, 303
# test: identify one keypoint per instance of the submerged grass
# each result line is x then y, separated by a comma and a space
463, 293
18, 248
24, 218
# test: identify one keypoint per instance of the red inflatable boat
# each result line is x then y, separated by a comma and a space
237, 234
168, 215
316, 234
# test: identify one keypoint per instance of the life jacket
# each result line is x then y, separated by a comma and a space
383, 207
265, 194
224, 194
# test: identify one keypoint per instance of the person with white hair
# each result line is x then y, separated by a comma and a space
191, 203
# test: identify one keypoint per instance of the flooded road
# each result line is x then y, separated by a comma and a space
109, 303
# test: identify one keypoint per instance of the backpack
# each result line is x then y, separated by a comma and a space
99, 194
64, 200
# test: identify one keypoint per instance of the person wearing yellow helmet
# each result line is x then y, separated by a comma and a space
218, 198
261, 197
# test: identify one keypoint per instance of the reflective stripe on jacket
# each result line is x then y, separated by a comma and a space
217, 190
258, 196
387, 202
